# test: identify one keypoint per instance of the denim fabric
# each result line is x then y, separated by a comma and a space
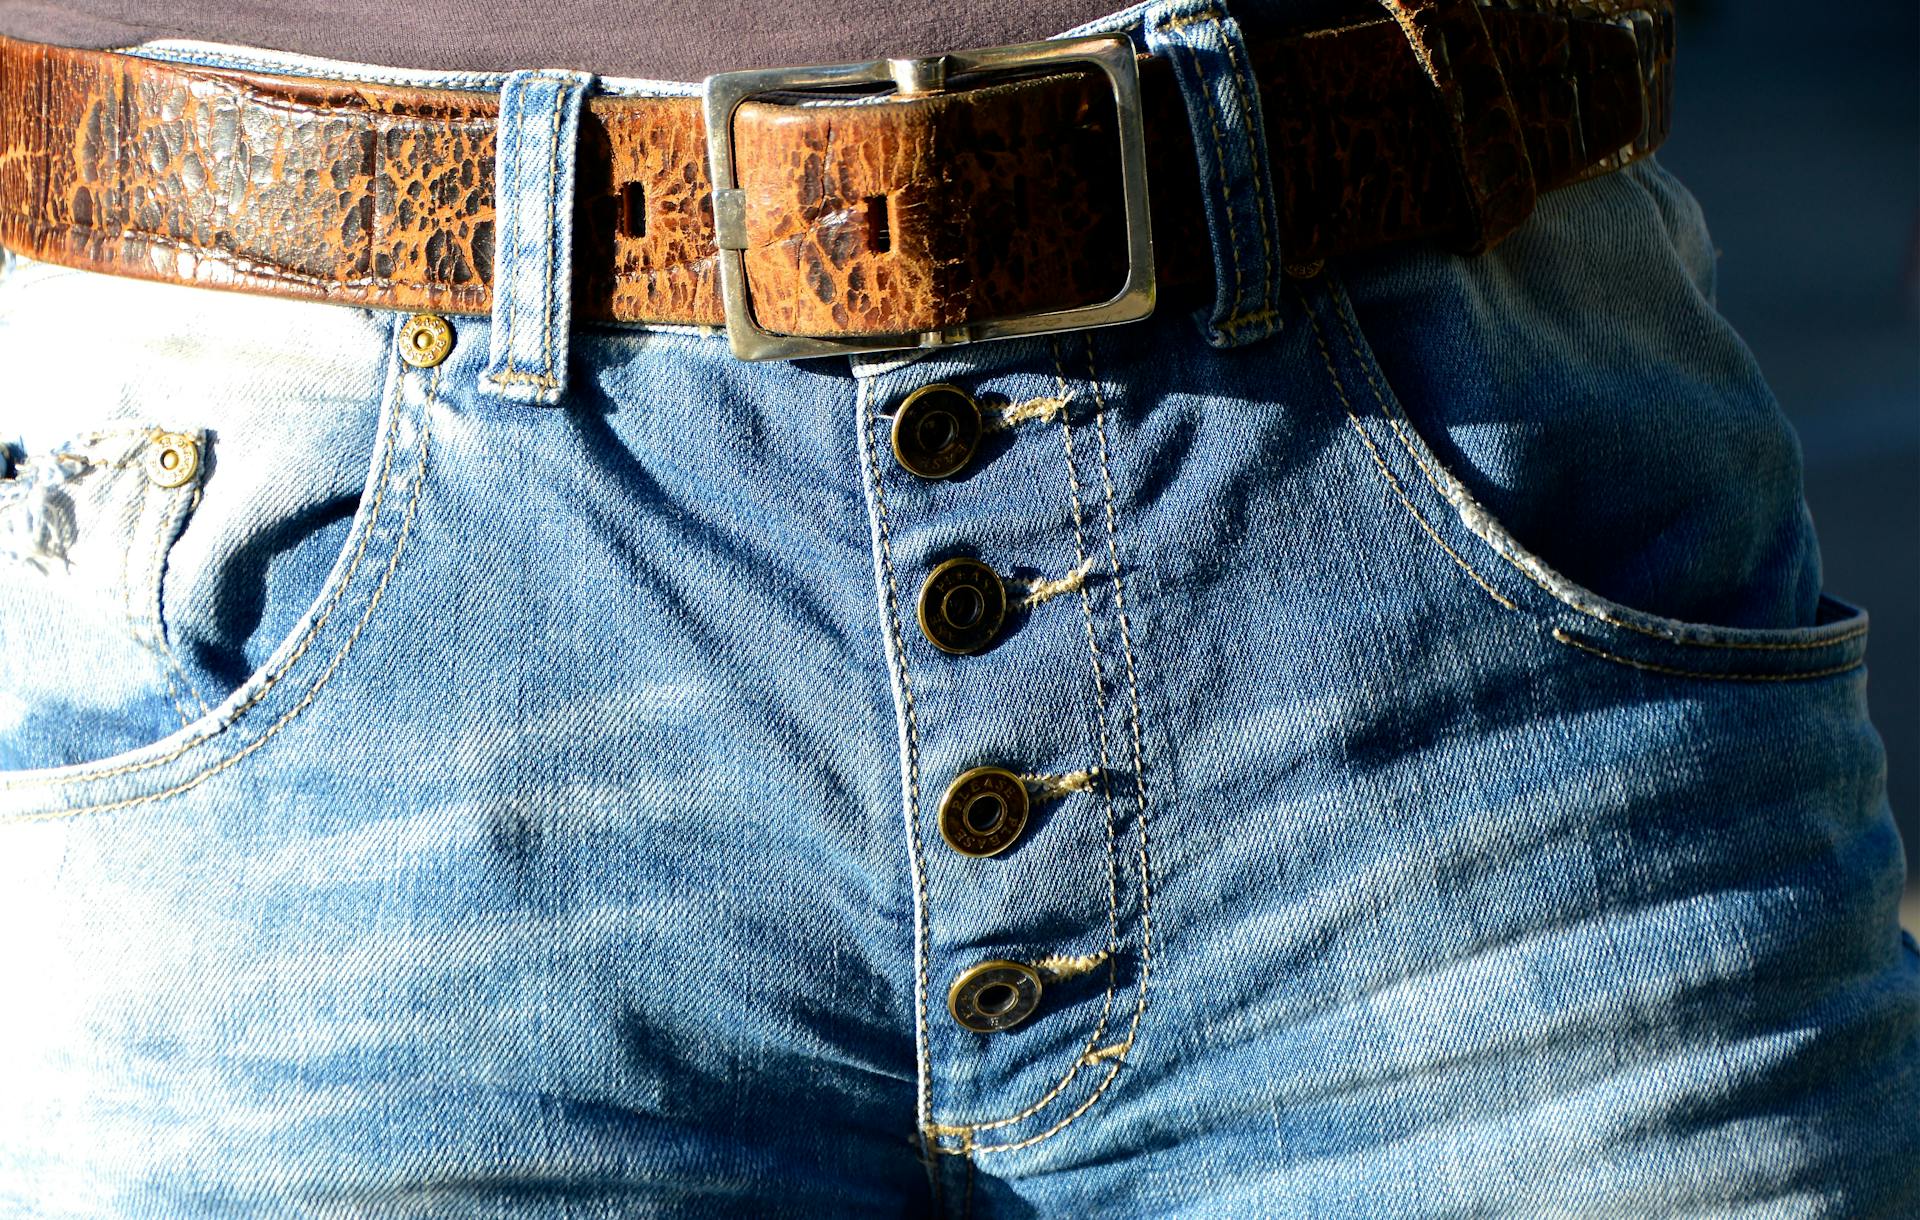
539, 128
1454, 789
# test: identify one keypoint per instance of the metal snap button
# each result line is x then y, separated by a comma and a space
984, 811
962, 606
994, 996
936, 430
425, 340
173, 458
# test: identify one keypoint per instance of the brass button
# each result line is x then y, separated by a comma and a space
936, 430
994, 996
962, 606
425, 340
173, 458
983, 811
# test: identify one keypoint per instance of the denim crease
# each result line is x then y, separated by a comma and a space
513, 787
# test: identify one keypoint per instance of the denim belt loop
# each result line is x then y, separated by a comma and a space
533, 234
1209, 56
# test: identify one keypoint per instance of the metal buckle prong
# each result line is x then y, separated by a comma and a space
1112, 53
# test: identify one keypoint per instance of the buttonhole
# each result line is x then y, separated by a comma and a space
879, 230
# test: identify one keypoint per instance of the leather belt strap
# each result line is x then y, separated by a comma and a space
913, 213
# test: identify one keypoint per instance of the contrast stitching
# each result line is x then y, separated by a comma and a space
326, 675
1039, 592
176, 506
1105, 768
1200, 17
895, 646
1393, 480
1794, 676
1262, 199
1219, 146
1394, 416
1119, 1053
1017, 413
544, 377
1044, 788
333, 601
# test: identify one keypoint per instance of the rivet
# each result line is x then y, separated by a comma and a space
425, 340
173, 458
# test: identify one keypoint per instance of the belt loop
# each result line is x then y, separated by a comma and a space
534, 157
1209, 57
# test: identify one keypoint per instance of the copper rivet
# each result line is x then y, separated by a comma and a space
936, 431
993, 996
984, 811
173, 458
425, 340
962, 605
1306, 271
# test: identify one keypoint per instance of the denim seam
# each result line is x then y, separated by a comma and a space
895, 645
1241, 314
1220, 157
135, 626
326, 675
545, 376
1574, 641
320, 621
1393, 480
1119, 1055
1262, 196
165, 530
1395, 416
966, 1130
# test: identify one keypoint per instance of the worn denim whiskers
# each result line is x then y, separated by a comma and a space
517, 787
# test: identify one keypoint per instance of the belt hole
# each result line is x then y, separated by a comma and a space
879, 231
633, 210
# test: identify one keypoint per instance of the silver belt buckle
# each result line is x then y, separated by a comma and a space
1111, 53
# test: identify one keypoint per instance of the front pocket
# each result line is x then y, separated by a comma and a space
163, 628
1489, 559
85, 527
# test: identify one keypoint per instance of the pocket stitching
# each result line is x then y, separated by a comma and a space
1454, 492
1797, 675
393, 562
333, 601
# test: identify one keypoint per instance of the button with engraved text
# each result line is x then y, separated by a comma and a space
983, 811
936, 430
962, 606
994, 996
425, 340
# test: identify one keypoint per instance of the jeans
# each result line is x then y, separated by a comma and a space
435, 793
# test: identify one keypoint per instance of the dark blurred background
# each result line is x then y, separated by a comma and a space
1798, 130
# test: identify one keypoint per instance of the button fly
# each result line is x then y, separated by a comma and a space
994, 996
984, 811
962, 606
936, 431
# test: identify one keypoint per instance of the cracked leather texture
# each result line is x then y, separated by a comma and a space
864, 218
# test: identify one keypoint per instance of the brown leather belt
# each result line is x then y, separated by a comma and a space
918, 213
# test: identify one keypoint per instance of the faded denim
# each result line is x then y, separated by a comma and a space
1460, 797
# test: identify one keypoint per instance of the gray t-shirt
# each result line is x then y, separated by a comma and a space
661, 39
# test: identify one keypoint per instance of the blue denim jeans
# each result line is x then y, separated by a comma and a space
514, 788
